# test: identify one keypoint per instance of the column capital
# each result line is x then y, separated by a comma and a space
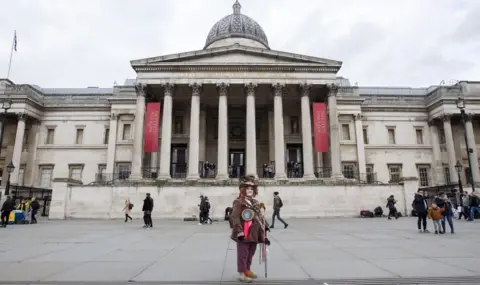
446, 117
305, 89
278, 89
141, 89
358, 117
332, 89
222, 88
432, 122
22, 116
196, 88
250, 88
168, 89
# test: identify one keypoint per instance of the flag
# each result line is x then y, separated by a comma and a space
15, 41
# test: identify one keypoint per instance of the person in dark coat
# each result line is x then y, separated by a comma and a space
147, 211
420, 206
440, 202
391, 207
7, 207
35, 206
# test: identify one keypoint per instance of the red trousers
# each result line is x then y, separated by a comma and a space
245, 253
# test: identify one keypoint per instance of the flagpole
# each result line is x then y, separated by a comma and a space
11, 54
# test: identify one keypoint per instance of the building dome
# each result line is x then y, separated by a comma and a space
237, 25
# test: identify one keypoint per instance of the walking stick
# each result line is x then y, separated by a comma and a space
264, 253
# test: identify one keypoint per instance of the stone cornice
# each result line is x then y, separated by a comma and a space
236, 68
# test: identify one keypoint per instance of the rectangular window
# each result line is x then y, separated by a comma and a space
424, 175
50, 136
75, 172
79, 136
294, 128
46, 173
21, 175
446, 174
106, 136
441, 135
391, 136
365, 135
346, 132
419, 136
370, 177
127, 128
395, 171
348, 170
123, 170
178, 125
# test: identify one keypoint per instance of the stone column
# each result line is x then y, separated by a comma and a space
112, 144
194, 142
166, 146
271, 136
251, 130
447, 127
362, 165
203, 133
308, 172
334, 133
472, 144
137, 154
18, 147
278, 129
222, 149
437, 166
32, 165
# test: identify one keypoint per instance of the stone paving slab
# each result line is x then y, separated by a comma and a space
310, 251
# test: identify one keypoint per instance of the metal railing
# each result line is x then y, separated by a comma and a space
295, 170
363, 178
266, 172
178, 170
323, 172
236, 171
207, 170
150, 172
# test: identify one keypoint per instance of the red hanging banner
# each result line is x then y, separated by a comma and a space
320, 127
150, 134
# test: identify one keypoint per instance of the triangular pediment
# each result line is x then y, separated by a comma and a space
237, 55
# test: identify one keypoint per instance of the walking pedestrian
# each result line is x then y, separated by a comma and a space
147, 211
392, 210
35, 206
420, 206
127, 209
277, 205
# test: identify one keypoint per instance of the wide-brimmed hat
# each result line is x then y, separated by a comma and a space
249, 180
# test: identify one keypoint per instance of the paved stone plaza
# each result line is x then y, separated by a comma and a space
322, 251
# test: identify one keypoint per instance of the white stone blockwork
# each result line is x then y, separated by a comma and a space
174, 202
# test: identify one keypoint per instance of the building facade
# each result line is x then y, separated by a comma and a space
238, 107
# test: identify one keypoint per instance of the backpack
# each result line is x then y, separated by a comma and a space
280, 203
130, 206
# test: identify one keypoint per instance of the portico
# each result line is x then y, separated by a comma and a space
238, 132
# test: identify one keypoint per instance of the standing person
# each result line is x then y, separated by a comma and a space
474, 206
435, 213
206, 211
147, 211
35, 206
448, 214
392, 210
440, 202
420, 206
7, 207
248, 227
465, 206
277, 205
127, 209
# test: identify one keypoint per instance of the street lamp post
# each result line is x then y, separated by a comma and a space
461, 106
459, 168
10, 168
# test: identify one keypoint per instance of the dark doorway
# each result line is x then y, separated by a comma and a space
294, 160
236, 168
178, 167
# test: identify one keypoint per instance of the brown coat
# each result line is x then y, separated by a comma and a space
435, 213
257, 229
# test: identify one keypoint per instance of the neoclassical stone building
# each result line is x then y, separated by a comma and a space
237, 107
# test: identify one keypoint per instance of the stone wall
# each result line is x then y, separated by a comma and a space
177, 202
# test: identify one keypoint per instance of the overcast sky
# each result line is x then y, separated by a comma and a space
383, 43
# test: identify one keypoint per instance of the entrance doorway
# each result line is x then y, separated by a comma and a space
178, 167
294, 161
236, 168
